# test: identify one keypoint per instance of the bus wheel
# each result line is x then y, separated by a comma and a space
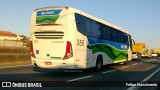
98, 64
125, 62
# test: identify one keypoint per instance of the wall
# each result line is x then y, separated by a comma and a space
7, 38
6, 43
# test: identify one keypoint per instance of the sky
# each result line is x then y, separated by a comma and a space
140, 17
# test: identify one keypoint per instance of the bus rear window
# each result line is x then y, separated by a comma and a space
47, 16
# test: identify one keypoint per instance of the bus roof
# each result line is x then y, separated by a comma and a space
52, 7
73, 10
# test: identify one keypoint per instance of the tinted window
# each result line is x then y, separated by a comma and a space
114, 35
102, 31
80, 23
125, 38
121, 37
89, 30
130, 40
108, 33
95, 28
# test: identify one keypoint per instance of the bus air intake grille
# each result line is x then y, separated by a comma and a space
49, 35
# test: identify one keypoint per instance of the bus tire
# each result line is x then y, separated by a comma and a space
125, 62
99, 63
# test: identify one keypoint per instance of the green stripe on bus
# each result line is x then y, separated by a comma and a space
113, 53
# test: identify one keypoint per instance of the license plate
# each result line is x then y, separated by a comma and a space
48, 63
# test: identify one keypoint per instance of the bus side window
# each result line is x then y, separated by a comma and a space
125, 38
113, 33
95, 28
103, 31
120, 37
108, 33
131, 43
116, 35
80, 23
89, 31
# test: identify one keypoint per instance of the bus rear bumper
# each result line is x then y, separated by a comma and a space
52, 64
39, 69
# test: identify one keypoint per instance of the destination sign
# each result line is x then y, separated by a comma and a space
48, 12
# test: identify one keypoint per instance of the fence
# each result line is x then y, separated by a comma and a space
10, 56
9, 43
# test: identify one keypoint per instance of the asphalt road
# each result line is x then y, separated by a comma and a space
116, 76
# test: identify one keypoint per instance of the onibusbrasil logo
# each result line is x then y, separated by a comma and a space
20, 84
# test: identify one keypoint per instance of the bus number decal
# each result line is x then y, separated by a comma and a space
80, 42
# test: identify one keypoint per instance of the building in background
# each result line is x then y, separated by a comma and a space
6, 35
9, 39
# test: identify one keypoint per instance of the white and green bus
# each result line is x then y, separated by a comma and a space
67, 38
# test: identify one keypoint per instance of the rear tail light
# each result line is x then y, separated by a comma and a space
31, 49
69, 52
